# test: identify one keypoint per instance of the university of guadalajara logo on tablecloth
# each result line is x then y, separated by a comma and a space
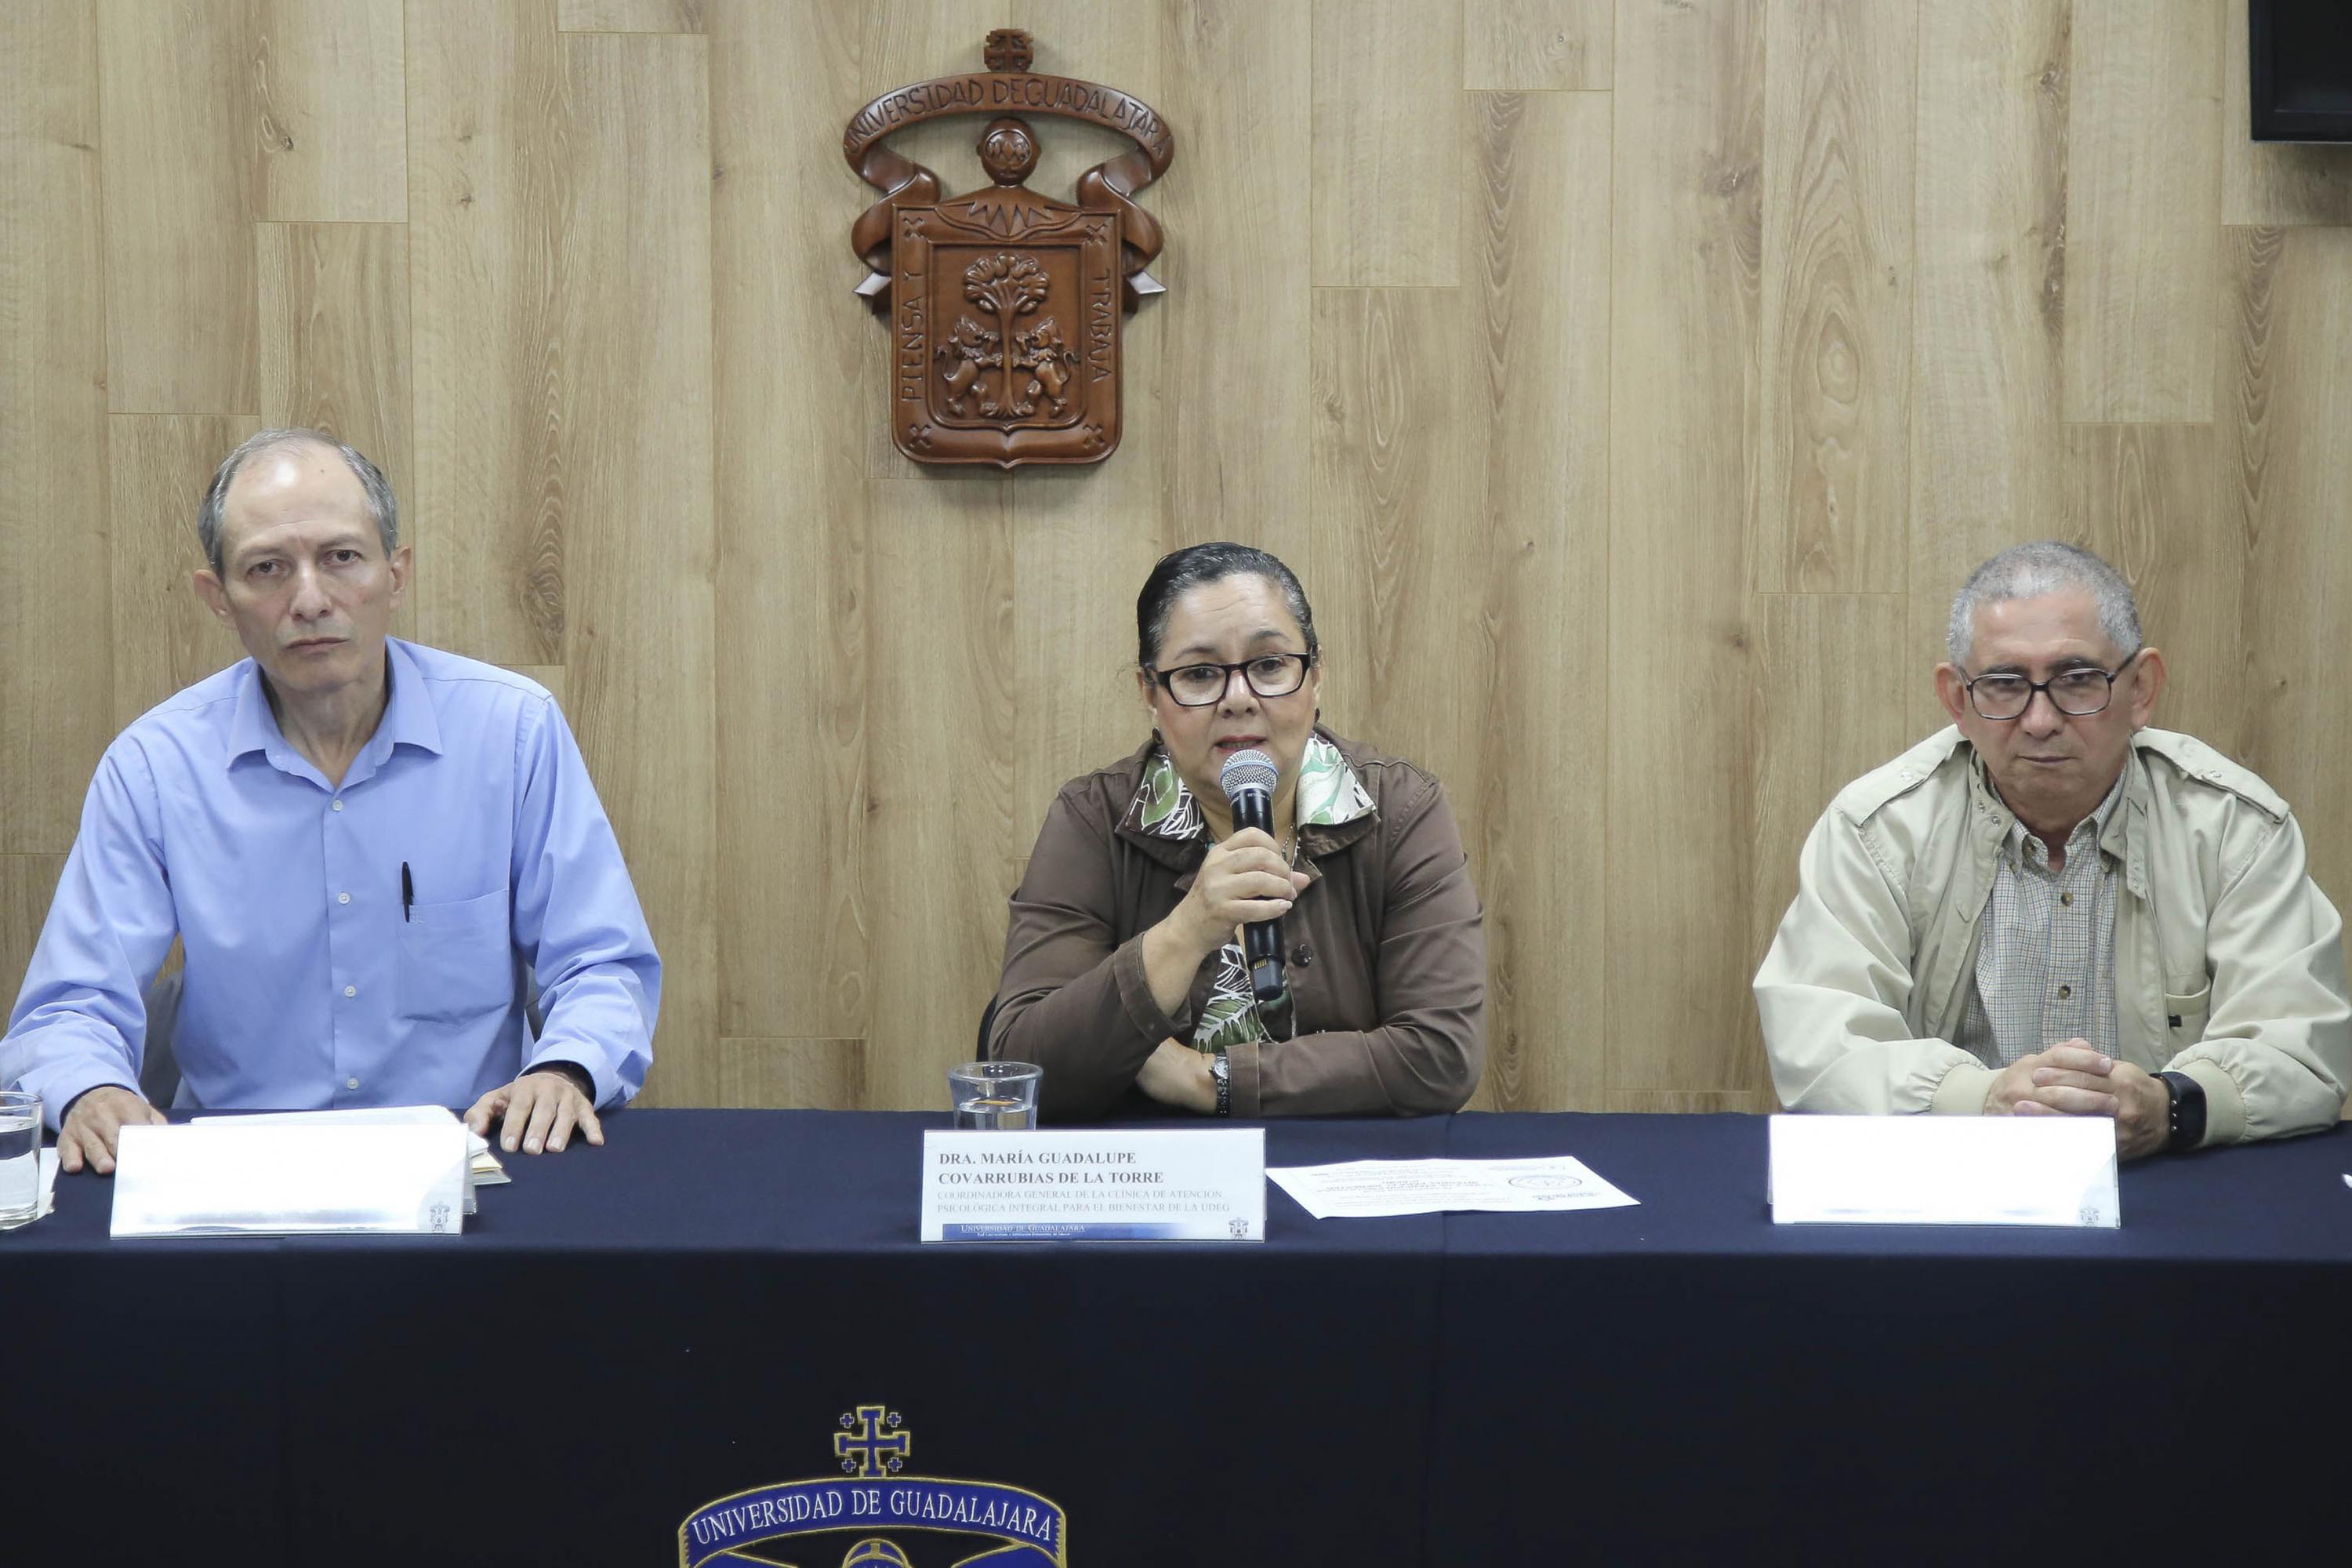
873, 1499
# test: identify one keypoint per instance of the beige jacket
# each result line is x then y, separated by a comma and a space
2228, 959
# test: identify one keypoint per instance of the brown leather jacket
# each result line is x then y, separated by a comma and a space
1385, 950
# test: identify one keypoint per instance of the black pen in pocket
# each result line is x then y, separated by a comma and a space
407, 890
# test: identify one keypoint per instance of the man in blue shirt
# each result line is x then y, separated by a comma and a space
361, 844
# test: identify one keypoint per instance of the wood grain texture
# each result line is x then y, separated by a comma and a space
940, 823
158, 466
1686, 237
1538, 395
182, 190
486, 109
1989, 309
793, 698
635, 431
1833, 491
1531, 46
1084, 539
27, 883
1825, 705
650, 15
2286, 397
792, 1074
54, 597
1398, 441
1387, 134
2272, 182
334, 336
2142, 496
2143, 195
1692, 1101
1233, 402
331, 109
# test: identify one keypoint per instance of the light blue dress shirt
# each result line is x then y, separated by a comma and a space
308, 983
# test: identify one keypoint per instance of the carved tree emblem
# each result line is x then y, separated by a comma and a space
1004, 304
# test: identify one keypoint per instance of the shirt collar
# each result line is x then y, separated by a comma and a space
2092, 829
1330, 797
408, 717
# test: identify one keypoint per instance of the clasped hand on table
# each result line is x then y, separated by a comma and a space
2072, 1079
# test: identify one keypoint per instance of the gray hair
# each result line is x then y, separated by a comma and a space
382, 507
2030, 571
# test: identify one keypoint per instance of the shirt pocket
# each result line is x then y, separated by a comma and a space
456, 959
2187, 1005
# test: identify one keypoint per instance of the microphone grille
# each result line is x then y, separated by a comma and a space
1245, 770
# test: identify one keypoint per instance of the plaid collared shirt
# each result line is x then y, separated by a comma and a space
2046, 955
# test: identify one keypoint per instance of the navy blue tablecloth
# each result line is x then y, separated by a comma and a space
628, 1332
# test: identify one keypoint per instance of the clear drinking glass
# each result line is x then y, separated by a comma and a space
20, 1157
994, 1096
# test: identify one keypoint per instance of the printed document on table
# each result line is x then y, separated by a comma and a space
49, 1183
1366, 1188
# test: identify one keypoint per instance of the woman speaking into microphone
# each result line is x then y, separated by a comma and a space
1166, 954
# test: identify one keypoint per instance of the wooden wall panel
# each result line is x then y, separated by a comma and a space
1084, 539
940, 826
2143, 194
2285, 401
1632, 445
486, 104
1832, 492
1527, 46
334, 335
2272, 182
1989, 308
1386, 135
2142, 496
1233, 403
656, 16
1826, 704
182, 188
332, 110
783, 1074
54, 597
27, 884
792, 528
1537, 392
1399, 441
158, 466
635, 434
1686, 237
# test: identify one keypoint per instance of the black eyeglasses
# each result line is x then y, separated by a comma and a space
2077, 693
1267, 675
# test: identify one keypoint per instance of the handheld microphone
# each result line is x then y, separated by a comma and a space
1247, 779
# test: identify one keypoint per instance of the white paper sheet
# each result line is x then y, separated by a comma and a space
1366, 1188
48, 1203
1943, 1169
230, 1177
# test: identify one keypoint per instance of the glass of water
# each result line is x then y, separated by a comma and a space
20, 1157
994, 1096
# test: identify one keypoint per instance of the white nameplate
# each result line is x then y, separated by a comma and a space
225, 1178
1944, 1169
1140, 1185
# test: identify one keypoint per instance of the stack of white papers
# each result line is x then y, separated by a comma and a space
486, 1171
1365, 1188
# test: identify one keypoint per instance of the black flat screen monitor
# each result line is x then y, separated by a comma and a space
2302, 69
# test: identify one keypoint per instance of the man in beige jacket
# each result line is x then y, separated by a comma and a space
2051, 909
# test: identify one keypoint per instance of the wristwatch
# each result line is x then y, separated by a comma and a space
2187, 1116
1220, 1073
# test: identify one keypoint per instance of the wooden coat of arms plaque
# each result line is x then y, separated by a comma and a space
1004, 305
